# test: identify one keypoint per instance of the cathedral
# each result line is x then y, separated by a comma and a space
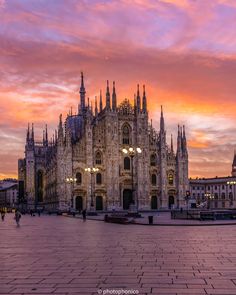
106, 158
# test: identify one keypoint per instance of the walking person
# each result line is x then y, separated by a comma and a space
3, 215
17, 217
84, 213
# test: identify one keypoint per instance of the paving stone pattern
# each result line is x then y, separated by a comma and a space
59, 255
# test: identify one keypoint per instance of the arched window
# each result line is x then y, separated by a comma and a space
153, 160
127, 163
98, 158
99, 178
223, 196
78, 178
216, 196
126, 135
171, 178
154, 179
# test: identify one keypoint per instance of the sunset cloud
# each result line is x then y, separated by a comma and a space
186, 58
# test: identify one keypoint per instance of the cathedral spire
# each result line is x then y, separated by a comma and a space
114, 97
233, 173
138, 99
96, 106
46, 134
101, 107
184, 140
28, 133
162, 123
108, 101
179, 147
135, 103
60, 128
171, 145
55, 136
144, 100
32, 132
82, 93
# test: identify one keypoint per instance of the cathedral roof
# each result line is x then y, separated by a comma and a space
125, 108
75, 125
234, 160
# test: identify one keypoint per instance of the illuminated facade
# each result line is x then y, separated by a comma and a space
154, 178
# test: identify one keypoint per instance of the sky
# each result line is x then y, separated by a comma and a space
184, 51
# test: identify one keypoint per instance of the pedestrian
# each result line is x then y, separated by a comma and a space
39, 213
3, 215
31, 212
84, 213
17, 217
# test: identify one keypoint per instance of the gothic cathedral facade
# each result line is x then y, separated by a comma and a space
105, 159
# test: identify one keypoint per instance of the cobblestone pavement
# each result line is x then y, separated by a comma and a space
58, 255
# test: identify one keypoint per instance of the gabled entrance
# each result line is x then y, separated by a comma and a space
171, 202
79, 203
99, 203
127, 199
154, 202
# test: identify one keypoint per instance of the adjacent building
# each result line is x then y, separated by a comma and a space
8, 193
217, 192
105, 158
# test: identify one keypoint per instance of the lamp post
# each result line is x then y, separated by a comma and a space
209, 197
132, 151
71, 181
91, 171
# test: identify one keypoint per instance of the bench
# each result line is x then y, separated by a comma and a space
117, 219
207, 216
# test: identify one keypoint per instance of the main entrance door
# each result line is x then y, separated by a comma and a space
171, 201
39, 186
154, 202
79, 203
127, 199
99, 203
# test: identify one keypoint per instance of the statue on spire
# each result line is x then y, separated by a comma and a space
82, 93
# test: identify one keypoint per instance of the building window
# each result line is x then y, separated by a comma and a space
223, 187
223, 196
127, 163
216, 196
99, 178
223, 204
154, 179
215, 187
171, 179
208, 187
126, 134
193, 188
153, 160
78, 178
98, 158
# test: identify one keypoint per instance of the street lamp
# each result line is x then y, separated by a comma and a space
209, 197
132, 151
71, 181
91, 170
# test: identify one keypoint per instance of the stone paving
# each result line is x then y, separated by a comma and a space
58, 255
